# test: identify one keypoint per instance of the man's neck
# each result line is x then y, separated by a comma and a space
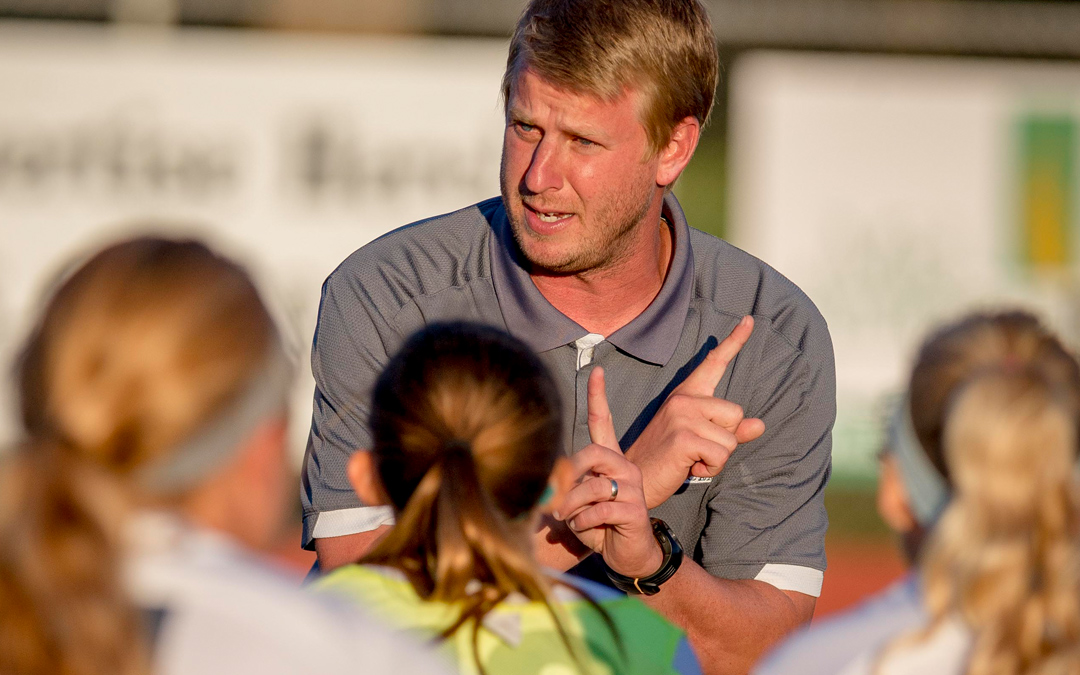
603, 301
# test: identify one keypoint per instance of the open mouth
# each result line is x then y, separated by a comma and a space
548, 216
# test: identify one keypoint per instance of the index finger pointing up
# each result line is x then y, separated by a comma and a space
706, 377
601, 425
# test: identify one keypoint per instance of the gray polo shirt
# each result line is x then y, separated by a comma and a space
763, 517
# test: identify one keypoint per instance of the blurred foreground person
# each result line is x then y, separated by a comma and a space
978, 478
153, 397
466, 424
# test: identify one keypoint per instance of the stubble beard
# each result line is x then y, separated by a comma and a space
608, 240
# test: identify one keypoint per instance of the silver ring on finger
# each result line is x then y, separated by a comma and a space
614, 489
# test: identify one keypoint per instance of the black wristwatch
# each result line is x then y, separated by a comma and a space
650, 585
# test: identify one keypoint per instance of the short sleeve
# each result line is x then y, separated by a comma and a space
766, 515
350, 348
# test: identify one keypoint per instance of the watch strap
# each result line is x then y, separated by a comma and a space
650, 585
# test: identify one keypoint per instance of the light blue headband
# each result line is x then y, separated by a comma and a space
196, 458
927, 490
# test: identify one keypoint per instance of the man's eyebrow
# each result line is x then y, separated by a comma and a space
517, 115
593, 134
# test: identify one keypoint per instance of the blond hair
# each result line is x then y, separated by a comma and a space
134, 353
664, 48
1006, 554
996, 404
954, 353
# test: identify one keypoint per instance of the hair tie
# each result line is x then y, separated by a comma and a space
458, 445
1012, 364
208, 449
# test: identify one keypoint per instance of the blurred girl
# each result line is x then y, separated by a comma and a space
1001, 573
466, 427
152, 396
978, 476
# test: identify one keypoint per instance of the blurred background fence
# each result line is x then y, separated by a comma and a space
901, 160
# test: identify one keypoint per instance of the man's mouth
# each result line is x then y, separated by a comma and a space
548, 216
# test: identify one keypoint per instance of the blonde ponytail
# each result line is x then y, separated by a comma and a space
135, 352
471, 554
1006, 554
60, 588
994, 406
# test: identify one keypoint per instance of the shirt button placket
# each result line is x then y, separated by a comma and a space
586, 347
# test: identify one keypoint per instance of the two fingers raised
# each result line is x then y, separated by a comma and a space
706, 377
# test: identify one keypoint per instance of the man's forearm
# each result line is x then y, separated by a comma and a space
730, 624
556, 547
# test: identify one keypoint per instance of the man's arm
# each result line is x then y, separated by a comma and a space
730, 623
765, 506
350, 347
334, 552
556, 547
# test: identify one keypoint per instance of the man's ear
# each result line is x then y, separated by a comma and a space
893, 502
365, 479
679, 149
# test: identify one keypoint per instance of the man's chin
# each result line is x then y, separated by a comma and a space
543, 254
542, 257
542, 260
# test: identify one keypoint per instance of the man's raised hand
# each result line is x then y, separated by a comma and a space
606, 510
693, 433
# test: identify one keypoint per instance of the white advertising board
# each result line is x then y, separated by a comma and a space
289, 152
900, 192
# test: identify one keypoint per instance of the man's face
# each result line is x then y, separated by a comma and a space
575, 178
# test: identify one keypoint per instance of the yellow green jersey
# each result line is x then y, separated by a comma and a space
519, 636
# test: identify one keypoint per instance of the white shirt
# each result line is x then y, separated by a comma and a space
943, 652
226, 612
852, 643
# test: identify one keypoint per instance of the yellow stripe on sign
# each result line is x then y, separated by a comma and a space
1046, 218
1048, 147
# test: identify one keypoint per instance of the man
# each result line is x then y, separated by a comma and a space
589, 259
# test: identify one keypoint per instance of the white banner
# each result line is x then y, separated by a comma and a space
899, 192
290, 152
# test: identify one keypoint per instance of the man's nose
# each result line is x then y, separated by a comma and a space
545, 171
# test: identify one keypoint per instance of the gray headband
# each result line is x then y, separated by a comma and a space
927, 490
197, 457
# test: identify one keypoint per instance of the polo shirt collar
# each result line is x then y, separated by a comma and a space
652, 336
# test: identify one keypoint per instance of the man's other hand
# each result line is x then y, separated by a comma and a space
694, 433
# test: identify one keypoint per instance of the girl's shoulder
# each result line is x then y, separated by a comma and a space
386, 593
610, 631
650, 643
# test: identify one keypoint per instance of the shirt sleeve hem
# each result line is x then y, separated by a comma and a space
806, 580
341, 522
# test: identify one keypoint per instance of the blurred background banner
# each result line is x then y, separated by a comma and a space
900, 192
291, 151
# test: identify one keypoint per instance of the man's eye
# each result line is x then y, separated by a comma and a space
524, 128
584, 141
